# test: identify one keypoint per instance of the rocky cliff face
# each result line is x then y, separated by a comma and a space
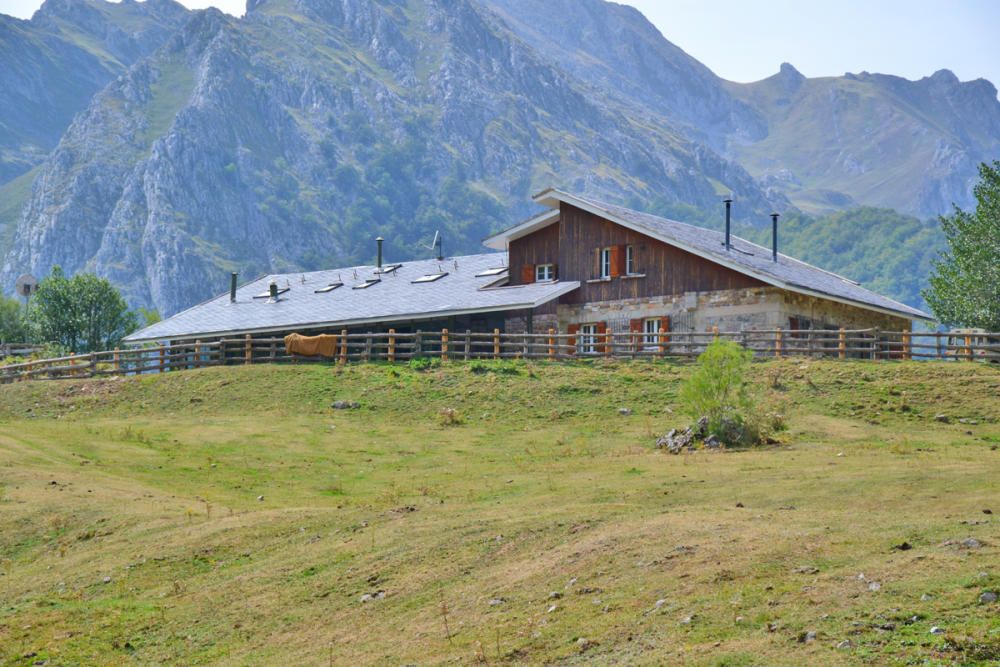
290, 138
873, 139
55, 63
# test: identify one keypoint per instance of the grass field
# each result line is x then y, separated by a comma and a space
230, 516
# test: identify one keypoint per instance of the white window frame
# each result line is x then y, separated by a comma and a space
629, 260
545, 273
651, 333
587, 339
605, 262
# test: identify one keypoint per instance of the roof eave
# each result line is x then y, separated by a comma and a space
500, 240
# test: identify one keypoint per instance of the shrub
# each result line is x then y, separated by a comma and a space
718, 391
423, 363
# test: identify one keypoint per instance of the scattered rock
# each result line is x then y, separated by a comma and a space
971, 543
377, 595
970, 422
902, 546
987, 597
585, 644
937, 631
625, 412
552, 608
687, 620
806, 569
925, 597
944, 419
106, 580
660, 603
739, 504
555, 595
987, 511
844, 645
874, 586
808, 636
739, 619
675, 441
712, 442
260, 499
497, 601
345, 405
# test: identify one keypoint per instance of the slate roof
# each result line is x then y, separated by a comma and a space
394, 298
745, 257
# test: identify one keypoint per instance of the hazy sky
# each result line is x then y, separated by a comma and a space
746, 40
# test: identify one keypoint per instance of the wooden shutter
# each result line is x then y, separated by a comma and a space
597, 263
602, 331
555, 272
528, 273
617, 260
636, 328
665, 323
572, 330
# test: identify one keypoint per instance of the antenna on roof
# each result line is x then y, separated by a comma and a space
303, 278
456, 264
437, 244
729, 208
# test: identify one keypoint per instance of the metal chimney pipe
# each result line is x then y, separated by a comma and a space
378, 242
774, 237
232, 287
440, 249
729, 209
274, 290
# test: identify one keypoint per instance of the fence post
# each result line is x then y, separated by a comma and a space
937, 342
92, 357
496, 343
777, 343
248, 350
659, 340
392, 346
117, 360
842, 343
343, 346
876, 346
907, 355
197, 354
468, 344
163, 360
552, 343
607, 343
444, 345
968, 347
715, 332
368, 347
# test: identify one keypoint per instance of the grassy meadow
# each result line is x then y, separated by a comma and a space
498, 513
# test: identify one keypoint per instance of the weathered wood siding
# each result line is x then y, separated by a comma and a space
542, 247
572, 244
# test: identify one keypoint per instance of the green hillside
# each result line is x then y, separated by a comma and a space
497, 514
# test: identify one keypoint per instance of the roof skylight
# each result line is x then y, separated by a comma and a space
367, 283
430, 277
328, 288
492, 272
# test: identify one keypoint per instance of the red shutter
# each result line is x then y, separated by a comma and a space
528, 273
602, 333
572, 330
665, 324
555, 272
617, 260
635, 327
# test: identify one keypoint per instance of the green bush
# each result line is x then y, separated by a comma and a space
718, 391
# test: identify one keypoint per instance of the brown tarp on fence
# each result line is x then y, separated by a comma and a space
324, 345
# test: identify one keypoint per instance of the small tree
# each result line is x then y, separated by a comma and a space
965, 285
13, 324
718, 391
84, 313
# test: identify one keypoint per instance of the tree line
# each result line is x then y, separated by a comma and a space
83, 313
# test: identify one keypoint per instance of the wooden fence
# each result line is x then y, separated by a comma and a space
445, 345
18, 349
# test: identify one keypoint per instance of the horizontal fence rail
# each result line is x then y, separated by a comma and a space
392, 347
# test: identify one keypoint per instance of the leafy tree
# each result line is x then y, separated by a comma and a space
965, 284
84, 313
13, 324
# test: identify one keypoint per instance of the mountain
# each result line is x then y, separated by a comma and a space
54, 63
872, 139
288, 139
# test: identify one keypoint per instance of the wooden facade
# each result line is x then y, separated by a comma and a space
574, 243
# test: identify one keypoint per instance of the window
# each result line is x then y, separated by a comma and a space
328, 288
651, 333
545, 272
367, 283
388, 268
605, 262
629, 260
588, 339
496, 271
430, 277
